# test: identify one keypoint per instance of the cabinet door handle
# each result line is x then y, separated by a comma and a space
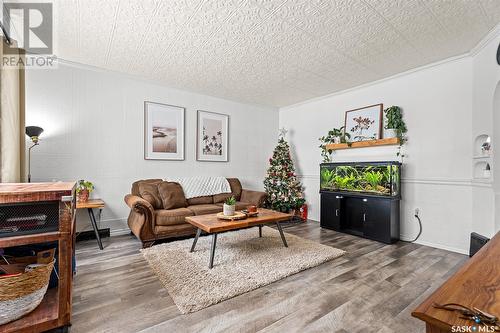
339, 197
364, 217
337, 212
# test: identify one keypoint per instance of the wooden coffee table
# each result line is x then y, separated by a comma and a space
212, 225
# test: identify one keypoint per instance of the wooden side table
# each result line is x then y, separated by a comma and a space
90, 205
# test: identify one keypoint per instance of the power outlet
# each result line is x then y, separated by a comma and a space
417, 211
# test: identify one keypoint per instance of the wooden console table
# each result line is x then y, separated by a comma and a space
476, 284
55, 309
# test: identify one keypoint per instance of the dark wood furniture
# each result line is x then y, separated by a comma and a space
90, 205
476, 284
212, 225
369, 216
55, 309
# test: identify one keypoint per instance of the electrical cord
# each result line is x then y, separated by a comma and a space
419, 232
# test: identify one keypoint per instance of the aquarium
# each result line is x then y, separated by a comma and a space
376, 178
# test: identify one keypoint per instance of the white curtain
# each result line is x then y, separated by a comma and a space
12, 144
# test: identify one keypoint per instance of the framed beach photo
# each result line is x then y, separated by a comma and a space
163, 131
364, 123
212, 142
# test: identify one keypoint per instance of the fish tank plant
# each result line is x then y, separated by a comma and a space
376, 178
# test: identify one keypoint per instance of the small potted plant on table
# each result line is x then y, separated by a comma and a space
229, 206
83, 190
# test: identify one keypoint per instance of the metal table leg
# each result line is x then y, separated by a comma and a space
198, 233
212, 250
260, 231
94, 225
281, 234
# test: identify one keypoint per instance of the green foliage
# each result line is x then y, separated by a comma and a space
84, 185
330, 138
345, 182
327, 177
394, 120
373, 178
231, 201
284, 191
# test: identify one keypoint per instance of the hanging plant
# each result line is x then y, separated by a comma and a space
335, 135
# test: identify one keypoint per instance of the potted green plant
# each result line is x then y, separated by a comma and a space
83, 190
229, 206
335, 135
394, 123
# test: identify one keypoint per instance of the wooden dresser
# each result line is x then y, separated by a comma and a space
60, 200
476, 284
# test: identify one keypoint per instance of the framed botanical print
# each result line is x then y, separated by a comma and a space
364, 123
212, 136
163, 131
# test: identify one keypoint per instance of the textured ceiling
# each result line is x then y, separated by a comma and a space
271, 52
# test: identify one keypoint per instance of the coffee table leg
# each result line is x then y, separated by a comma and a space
212, 250
198, 233
260, 231
281, 234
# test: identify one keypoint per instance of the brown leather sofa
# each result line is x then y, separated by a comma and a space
158, 208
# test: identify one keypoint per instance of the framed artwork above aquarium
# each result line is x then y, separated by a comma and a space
212, 142
364, 123
163, 131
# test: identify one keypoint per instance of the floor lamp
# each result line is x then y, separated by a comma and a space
33, 132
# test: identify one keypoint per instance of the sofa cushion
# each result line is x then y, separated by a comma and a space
207, 199
175, 216
172, 195
149, 192
205, 209
235, 191
239, 205
235, 187
135, 185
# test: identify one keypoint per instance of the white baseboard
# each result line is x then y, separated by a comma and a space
436, 246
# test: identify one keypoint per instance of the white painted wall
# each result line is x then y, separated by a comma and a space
486, 120
437, 103
93, 123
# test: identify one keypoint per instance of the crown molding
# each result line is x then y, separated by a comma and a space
155, 82
372, 83
490, 36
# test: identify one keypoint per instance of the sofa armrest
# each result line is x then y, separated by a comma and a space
254, 197
138, 204
141, 218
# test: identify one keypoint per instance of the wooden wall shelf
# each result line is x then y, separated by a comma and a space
363, 144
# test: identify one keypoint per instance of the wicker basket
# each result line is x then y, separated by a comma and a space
21, 294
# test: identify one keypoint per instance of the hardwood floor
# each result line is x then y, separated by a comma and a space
373, 288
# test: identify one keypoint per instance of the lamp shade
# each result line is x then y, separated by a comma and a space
32, 131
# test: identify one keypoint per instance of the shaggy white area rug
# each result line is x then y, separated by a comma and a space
242, 262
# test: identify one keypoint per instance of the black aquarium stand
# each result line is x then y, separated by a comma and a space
369, 216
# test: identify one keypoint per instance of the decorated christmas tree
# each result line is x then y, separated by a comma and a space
284, 191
